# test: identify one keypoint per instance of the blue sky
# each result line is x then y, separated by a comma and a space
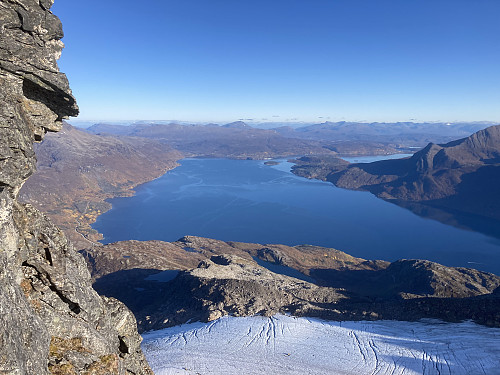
274, 60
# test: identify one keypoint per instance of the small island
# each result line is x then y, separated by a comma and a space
271, 162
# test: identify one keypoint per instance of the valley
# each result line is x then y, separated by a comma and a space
361, 265
79, 170
341, 286
249, 201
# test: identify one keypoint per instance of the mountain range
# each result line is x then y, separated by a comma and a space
235, 140
408, 134
241, 140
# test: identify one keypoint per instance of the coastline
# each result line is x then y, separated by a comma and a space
85, 229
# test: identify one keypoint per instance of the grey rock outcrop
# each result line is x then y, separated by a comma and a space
195, 278
51, 320
231, 285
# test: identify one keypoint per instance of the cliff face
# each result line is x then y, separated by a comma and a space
51, 320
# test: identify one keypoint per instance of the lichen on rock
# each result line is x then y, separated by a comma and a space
51, 320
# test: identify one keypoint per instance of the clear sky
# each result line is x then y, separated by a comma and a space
277, 60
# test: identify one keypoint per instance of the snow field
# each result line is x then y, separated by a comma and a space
288, 345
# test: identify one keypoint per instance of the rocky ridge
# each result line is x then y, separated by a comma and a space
161, 283
51, 320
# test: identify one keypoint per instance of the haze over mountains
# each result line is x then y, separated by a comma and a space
346, 138
404, 133
235, 140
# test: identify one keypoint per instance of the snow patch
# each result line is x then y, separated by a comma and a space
288, 345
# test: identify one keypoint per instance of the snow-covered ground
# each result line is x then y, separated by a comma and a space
287, 345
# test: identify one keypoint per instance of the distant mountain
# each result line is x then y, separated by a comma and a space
237, 125
78, 171
238, 140
402, 133
104, 128
235, 140
462, 175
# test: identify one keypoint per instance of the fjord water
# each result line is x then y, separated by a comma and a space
248, 201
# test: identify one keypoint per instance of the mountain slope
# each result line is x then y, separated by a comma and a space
78, 171
462, 175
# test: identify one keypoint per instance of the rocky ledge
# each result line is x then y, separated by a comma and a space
51, 320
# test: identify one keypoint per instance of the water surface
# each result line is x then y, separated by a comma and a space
247, 201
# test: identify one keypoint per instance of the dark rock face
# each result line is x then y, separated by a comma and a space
51, 320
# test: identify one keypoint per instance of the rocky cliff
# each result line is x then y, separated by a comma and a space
51, 320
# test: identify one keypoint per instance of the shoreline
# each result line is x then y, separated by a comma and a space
125, 193
130, 191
